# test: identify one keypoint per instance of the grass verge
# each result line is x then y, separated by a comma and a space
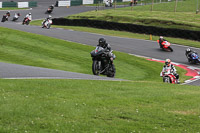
163, 15
97, 106
12, 8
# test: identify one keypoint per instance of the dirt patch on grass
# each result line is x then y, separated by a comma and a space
187, 112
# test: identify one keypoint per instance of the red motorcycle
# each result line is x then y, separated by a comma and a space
166, 46
168, 77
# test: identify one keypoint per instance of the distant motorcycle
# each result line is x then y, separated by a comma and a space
47, 23
102, 63
168, 77
16, 16
5, 17
26, 21
108, 4
194, 59
166, 46
49, 10
133, 2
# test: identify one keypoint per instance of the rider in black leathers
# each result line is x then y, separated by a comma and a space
102, 43
107, 47
51, 7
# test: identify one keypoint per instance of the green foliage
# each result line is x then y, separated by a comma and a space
50, 106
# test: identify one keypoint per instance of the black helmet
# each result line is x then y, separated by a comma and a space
102, 42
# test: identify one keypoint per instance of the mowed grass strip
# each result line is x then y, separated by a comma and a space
163, 15
12, 8
97, 106
37, 50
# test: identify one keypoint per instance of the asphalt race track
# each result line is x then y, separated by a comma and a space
131, 46
14, 71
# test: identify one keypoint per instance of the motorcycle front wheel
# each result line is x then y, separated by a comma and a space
111, 71
27, 22
166, 79
96, 67
48, 26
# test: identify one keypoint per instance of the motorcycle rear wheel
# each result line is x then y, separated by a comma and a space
170, 49
111, 71
27, 22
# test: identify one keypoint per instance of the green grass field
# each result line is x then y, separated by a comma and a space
163, 15
49, 106
144, 104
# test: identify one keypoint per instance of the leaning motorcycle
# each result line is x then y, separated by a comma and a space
49, 10
26, 21
16, 16
47, 23
108, 4
166, 46
103, 62
168, 77
4, 18
194, 58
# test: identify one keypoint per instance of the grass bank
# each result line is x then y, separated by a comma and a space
37, 50
163, 15
97, 106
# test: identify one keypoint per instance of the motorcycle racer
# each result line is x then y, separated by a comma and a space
107, 47
28, 16
16, 16
161, 40
6, 16
48, 18
51, 7
102, 43
172, 68
188, 53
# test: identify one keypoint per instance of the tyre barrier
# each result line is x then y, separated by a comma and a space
157, 31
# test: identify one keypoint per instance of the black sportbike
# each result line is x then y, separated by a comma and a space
103, 62
49, 11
